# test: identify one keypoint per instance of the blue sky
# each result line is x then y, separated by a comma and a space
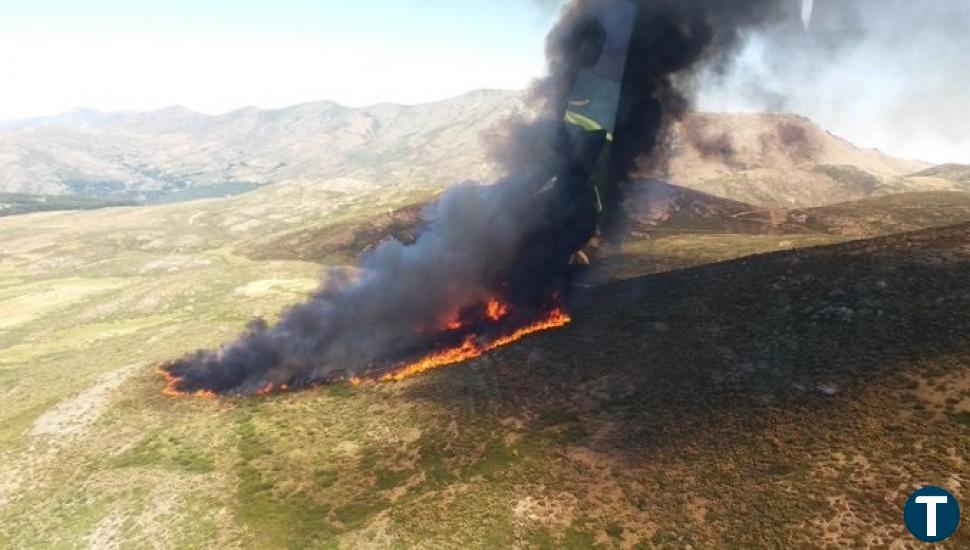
219, 55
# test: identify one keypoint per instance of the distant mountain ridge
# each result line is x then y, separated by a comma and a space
768, 160
173, 149
786, 161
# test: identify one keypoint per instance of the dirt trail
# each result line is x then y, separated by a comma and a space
60, 425
71, 417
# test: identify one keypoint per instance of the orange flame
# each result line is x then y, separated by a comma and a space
470, 348
171, 383
495, 309
270, 389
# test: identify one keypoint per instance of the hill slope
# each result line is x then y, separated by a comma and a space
886, 214
674, 228
780, 400
669, 227
944, 176
780, 160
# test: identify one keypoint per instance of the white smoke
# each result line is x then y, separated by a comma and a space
890, 74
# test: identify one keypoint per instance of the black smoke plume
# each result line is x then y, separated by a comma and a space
512, 240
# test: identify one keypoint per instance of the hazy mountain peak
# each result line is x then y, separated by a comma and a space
771, 159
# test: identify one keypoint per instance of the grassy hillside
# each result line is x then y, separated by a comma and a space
668, 227
955, 172
780, 400
696, 229
657, 207
888, 214
340, 240
776, 400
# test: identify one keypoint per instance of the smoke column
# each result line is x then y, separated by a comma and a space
507, 239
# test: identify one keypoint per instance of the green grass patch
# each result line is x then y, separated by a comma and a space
326, 478
389, 479
276, 520
578, 539
356, 513
162, 451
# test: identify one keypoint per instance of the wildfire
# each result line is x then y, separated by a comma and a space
171, 383
495, 309
270, 389
472, 348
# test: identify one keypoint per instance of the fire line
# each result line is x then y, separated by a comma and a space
171, 383
470, 348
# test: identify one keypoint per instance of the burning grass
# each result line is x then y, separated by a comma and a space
494, 326
171, 386
473, 347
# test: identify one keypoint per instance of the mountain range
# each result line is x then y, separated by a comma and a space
174, 150
770, 160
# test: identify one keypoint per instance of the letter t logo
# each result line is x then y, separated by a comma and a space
931, 503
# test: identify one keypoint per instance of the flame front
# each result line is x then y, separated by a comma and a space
495, 310
472, 348
171, 387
